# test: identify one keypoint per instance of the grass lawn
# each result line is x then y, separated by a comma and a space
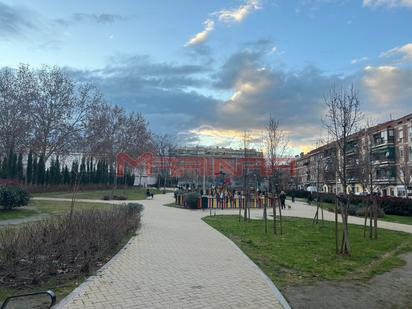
397, 219
17, 213
60, 288
52, 208
306, 252
131, 194
389, 218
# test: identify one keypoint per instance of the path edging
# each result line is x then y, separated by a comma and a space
279, 296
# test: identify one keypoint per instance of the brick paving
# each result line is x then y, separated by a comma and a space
177, 261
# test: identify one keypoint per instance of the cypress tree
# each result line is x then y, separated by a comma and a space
29, 169
47, 177
13, 174
4, 168
83, 175
74, 172
57, 174
35, 171
20, 174
66, 176
41, 171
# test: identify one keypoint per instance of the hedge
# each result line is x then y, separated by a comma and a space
390, 205
192, 199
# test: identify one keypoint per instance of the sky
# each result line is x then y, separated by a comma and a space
206, 71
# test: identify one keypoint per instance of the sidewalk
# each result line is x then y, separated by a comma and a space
177, 261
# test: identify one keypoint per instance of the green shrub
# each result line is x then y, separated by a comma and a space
192, 199
298, 193
135, 206
13, 196
115, 198
396, 205
360, 212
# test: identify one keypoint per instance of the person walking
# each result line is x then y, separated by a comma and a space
282, 198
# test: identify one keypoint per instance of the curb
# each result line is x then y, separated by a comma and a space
282, 300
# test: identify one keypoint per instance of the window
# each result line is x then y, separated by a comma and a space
410, 134
400, 135
391, 137
401, 154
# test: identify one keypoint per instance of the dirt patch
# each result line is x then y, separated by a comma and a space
392, 289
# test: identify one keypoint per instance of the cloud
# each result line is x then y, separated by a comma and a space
238, 14
162, 91
18, 23
98, 18
403, 53
387, 3
15, 21
173, 96
201, 36
357, 60
224, 16
389, 88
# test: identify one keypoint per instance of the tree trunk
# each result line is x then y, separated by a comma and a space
370, 220
240, 207
273, 202
280, 216
336, 224
316, 217
246, 204
365, 209
265, 216
345, 249
375, 218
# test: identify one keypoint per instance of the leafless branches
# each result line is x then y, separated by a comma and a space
341, 120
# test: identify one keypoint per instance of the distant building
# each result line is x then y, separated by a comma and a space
218, 176
390, 145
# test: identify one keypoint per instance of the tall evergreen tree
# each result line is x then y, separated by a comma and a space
35, 171
29, 169
83, 175
20, 174
41, 171
13, 168
4, 168
66, 175
74, 172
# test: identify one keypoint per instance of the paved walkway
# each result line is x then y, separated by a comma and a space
177, 261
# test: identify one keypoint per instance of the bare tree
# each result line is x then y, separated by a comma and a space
246, 140
341, 120
366, 170
110, 130
59, 111
276, 145
404, 175
320, 175
17, 93
165, 145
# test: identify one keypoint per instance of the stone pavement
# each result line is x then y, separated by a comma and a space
177, 261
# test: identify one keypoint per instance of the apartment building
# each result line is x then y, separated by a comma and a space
389, 147
218, 176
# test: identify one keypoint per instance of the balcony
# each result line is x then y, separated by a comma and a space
386, 175
384, 155
379, 141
